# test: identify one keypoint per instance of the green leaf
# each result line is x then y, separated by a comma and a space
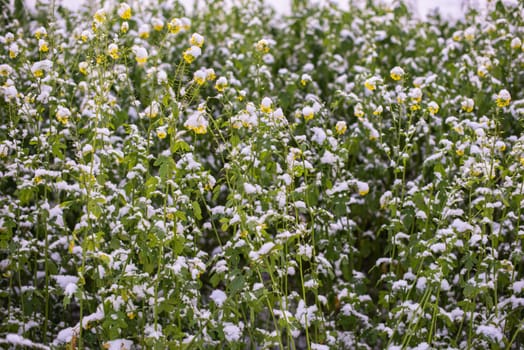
197, 212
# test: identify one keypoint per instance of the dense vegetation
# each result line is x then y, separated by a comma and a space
237, 178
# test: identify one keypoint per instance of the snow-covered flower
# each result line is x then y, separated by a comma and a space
112, 50
191, 54
359, 110
396, 73
100, 16
39, 68
262, 46
308, 113
199, 76
143, 31
467, 105
157, 23
516, 43
341, 127
221, 84
433, 107
140, 55
63, 114
175, 25
266, 106
503, 98
363, 188
124, 11
152, 110
197, 122
196, 40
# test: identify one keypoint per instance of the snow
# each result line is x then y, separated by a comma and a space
218, 297
491, 332
461, 226
153, 331
118, 344
17, 340
319, 135
518, 286
232, 332
328, 158
249, 188
65, 336
64, 280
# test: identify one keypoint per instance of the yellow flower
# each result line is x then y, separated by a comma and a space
5, 70
503, 98
433, 108
370, 84
221, 84
143, 31
40, 33
359, 110
42, 46
200, 76
100, 16
85, 36
124, 27
82, 67
197, 123
210, 74
191, 54
363, 188
467, 105
140, 55
378, 110
262, 46
308, 113
186, 23
131, 315
469, 34
196, 40
158, 25
13, 50
175, 26
414, 107
516, 43
341, 127
396, 73
63, 114
152, 110
112, 51
266, 105
124, 11
482, 71
459, 152
161, 133
416, 95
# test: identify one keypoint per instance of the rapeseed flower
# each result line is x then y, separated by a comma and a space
503, 98
124, 11
396, 73
197, 122
196, 40
266, 106
221, 84
192, 53
341, 127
